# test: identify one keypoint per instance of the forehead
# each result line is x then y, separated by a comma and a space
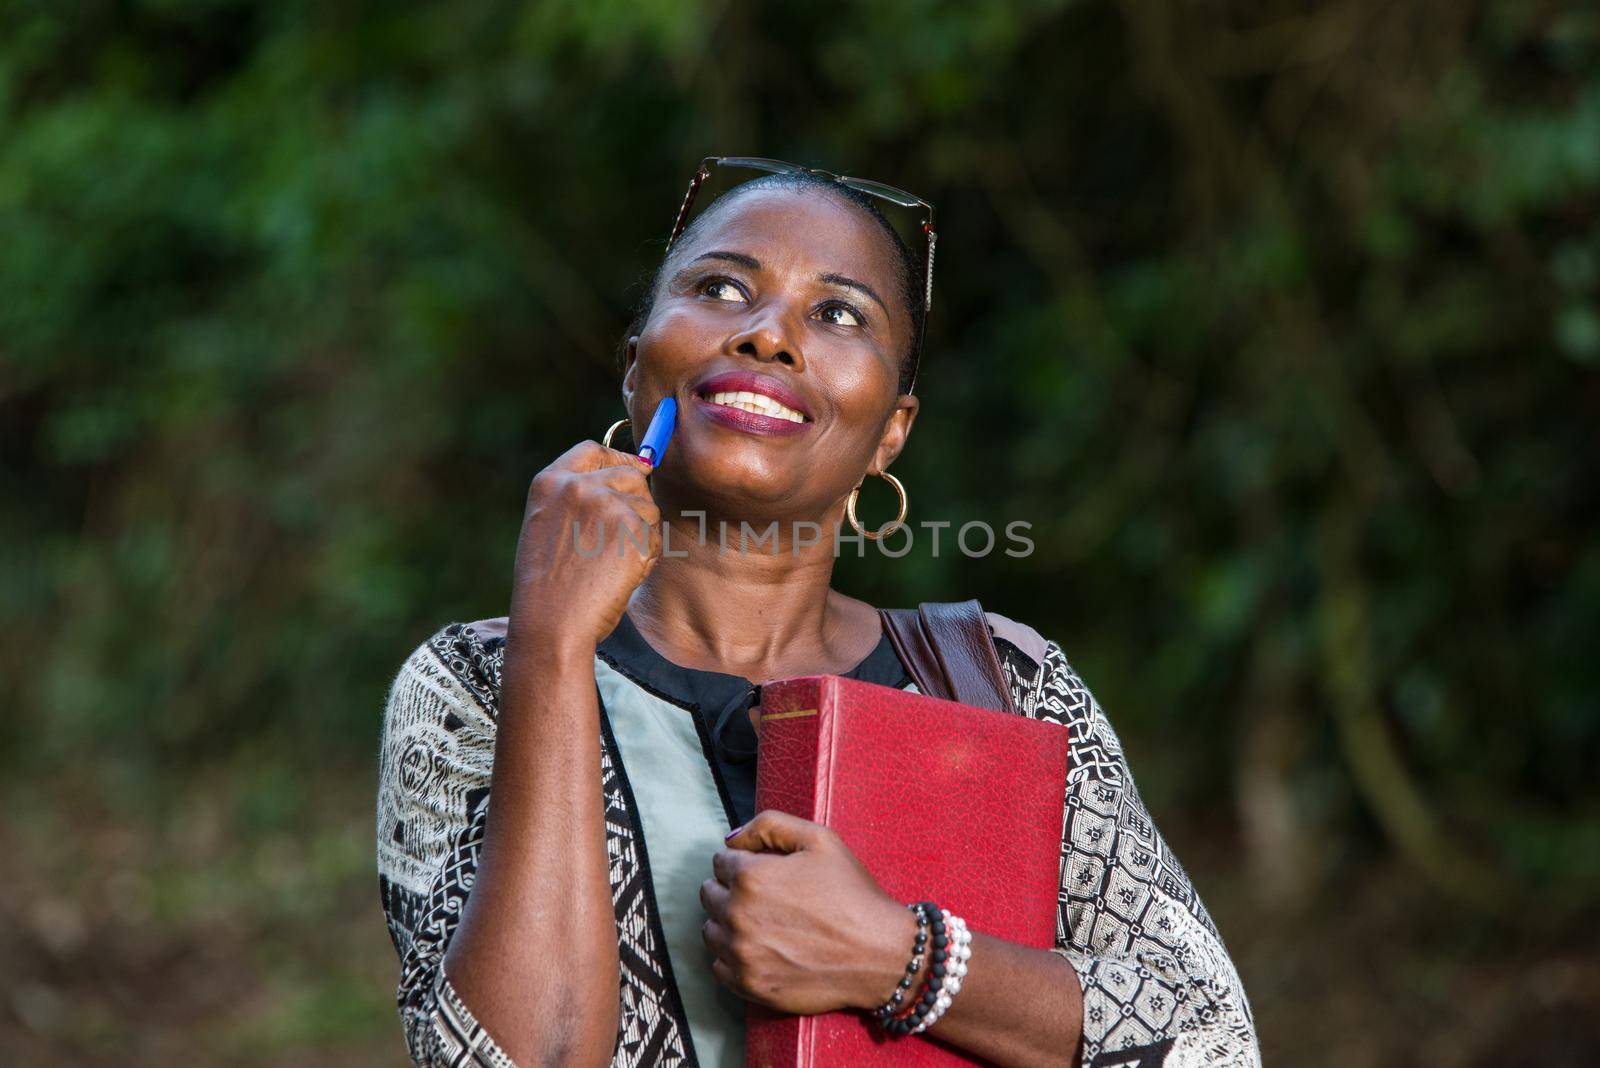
806, 229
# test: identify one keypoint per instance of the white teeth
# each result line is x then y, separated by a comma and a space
759, 403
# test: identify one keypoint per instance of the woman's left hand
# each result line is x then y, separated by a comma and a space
798, 924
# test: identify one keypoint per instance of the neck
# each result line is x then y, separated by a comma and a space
762, 609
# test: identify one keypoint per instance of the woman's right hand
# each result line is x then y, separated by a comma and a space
564, 600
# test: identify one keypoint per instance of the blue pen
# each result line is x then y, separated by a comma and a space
662, 425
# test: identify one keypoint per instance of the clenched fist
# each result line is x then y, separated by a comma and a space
590, 534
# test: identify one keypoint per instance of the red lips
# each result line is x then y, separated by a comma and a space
753, 382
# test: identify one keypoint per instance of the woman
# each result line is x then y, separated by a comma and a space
785, 321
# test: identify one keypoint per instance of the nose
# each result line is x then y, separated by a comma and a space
771, 335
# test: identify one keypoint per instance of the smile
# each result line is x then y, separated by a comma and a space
758, 403
753, 402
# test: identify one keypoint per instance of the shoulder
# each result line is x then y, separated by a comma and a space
1021, 637
459, 663
1032, 651
489, 629
1048, 687
1025, 660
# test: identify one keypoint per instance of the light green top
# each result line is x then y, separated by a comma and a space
684, 824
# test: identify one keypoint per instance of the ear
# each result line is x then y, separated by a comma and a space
895, 432
631, 364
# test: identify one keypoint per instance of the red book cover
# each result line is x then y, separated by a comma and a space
874, 763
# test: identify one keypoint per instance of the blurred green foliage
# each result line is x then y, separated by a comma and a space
1281, 326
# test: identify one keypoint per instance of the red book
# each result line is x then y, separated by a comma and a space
884, 768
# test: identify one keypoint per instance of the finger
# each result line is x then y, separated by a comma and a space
715, 937
777, 832
622, 478
714, 898
590, 455
727, 864
643, 507
725, 975
641, 529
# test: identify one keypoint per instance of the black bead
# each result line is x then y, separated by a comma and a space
905, 983
938, 969
898, 998
940, 941
935, 983
939, 956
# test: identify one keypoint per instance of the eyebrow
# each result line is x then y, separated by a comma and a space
830, 277
851, 283
733, 257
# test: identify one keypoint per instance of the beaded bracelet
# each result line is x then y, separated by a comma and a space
924, 911
952, 970
931, 991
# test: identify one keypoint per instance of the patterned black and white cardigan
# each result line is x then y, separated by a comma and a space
1158, 986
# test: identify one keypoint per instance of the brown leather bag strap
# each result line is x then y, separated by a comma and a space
947, 648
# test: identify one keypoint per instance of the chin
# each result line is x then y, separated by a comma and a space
739, 486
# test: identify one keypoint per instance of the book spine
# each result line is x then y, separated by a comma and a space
787, 766
787, 771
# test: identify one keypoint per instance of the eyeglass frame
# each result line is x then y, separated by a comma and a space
881, 190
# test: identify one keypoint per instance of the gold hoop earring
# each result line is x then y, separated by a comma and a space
618, 425
887, 528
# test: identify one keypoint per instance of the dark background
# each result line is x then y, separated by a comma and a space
1279, 322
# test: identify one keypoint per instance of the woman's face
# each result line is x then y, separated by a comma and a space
791, 295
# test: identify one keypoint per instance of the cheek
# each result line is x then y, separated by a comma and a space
674, 325
677, 341
862, 388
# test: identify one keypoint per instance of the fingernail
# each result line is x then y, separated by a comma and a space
729, 836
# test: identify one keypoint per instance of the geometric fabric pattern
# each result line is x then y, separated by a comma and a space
1158, 986
1159, 989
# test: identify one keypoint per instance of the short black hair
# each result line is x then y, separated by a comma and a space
910, 263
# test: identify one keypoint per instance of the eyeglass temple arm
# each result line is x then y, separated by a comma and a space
688, 199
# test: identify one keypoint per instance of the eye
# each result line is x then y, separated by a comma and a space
722, 289
842, 315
